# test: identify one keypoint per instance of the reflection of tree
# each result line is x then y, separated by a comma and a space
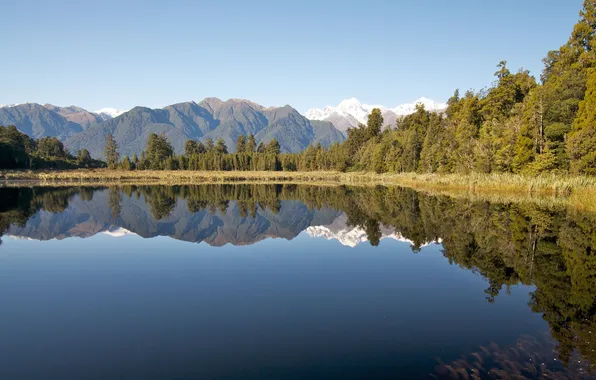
86, 194
161, 201
114, 200
18, 204
530, 358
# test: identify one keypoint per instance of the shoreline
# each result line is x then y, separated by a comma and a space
579, 190
558, 185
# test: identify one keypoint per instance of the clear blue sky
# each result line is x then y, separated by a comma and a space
303, 53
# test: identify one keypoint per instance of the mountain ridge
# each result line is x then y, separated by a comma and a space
211, 118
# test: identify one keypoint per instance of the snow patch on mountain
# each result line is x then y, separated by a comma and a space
352, 236
350, 112
107, 113
117, 232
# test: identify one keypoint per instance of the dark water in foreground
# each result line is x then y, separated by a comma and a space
291, 282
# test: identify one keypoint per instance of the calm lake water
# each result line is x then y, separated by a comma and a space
291, 282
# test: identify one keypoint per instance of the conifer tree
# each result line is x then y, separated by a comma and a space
251, 144
374, 123
581, 144
111, 151
273, 147
241, 144
220, 146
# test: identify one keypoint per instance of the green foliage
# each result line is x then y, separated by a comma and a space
111, 151
374, 123
51, 147
157, 152
190, 148
261, 148
241, 144
581, 144
84, 158
19, 151
220, 147
251, 144
272, 147
209, 145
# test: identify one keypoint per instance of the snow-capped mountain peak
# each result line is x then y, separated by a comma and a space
108, 113
429, 105
349, 112
352, 236
116, 232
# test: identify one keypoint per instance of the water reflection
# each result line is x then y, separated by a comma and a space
549, 247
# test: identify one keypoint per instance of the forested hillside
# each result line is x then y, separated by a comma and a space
19, 151
518, 125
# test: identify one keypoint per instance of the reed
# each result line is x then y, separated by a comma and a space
579, 190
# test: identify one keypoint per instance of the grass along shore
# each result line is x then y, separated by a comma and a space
556, 185
577, 191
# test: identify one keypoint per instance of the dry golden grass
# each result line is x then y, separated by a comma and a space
576, 190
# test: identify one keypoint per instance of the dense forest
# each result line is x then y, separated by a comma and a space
19, 151
518, 125
548, 246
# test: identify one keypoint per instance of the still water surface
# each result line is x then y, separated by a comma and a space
291, 282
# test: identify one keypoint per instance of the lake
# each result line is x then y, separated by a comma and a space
291, 282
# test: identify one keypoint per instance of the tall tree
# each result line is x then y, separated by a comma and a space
51, 147
209, 145
83, 157
581, 143
375, 123
261, 148
190, 148
157, 151
220, 146
273, 147
251, 144
241, 144
111, 151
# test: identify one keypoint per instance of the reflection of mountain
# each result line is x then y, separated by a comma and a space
351, 236
85, 218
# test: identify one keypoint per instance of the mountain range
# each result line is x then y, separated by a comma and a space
350, 112
211, 118
84, 218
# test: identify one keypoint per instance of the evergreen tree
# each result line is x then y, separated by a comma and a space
157, 151
209, 145
190, 148
251, 144
581, 144
241, 144
272, 147
375, 123
220, 146
83, 158
126, 164
51, 147
111, 151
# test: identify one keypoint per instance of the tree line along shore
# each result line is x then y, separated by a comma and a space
520, 133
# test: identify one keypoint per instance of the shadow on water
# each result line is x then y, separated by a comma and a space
549, 247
